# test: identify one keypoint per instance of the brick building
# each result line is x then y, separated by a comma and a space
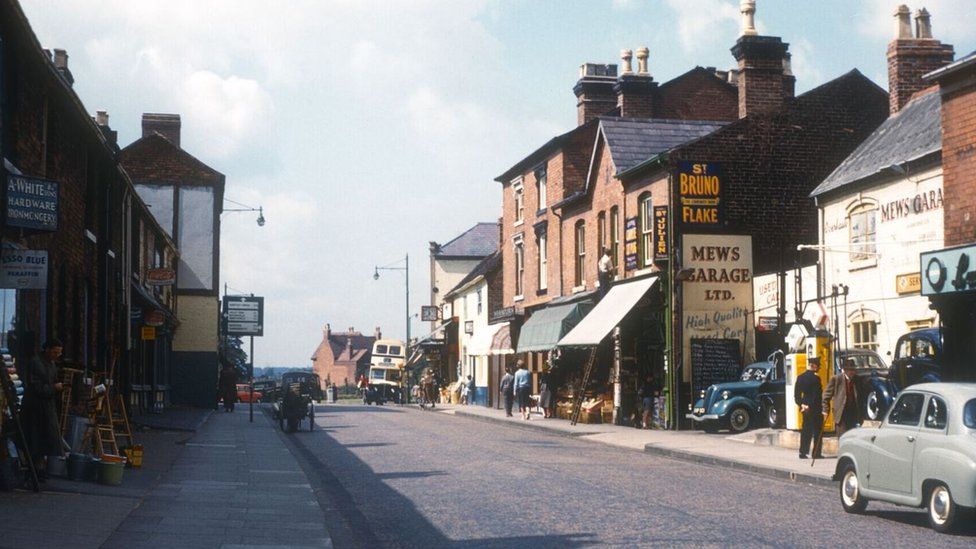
341, 357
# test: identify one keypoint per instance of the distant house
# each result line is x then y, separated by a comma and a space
342, 356
451, 262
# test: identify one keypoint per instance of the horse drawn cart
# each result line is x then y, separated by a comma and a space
296, 399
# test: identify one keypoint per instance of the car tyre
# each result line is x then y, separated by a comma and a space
772, 414
942, 510
740, 419
850, 491
872, 406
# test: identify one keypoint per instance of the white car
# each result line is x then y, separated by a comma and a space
923, 455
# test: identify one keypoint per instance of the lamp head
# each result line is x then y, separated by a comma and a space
261, 217
376, 273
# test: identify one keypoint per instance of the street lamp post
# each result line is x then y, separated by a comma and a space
406, 345
245, 208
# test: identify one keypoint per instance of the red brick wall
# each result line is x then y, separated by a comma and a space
908, 61
959, 161
697, 95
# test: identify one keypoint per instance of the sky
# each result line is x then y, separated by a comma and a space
368, 128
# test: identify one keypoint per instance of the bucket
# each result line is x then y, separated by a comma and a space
57, 466
79, 466
133, 456
110, 472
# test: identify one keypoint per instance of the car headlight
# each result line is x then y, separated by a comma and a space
702, 394
725, 395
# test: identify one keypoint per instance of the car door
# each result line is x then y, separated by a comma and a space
931, 435
893, 447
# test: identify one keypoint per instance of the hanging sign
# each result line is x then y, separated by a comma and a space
661, 233
24, 270
148, 333
32, 203
630, 244
429, 313
700, 194
160, 277
244, 315
155, 318
948, 271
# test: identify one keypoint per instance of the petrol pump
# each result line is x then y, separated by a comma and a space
805, 344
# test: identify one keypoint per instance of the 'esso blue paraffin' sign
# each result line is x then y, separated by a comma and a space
32, 203
949, 271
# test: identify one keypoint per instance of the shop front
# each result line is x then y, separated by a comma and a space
949, 281
540, 335
501, 355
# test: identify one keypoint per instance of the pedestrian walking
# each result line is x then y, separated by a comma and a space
604, 271
841, 398
227, 386
507, 389
40, 416
545, 392
472, 390
808, 395
523, 386
647, 394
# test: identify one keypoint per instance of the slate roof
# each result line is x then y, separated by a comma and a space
478, 241
487, 265
913, 132
956, 66
634, 140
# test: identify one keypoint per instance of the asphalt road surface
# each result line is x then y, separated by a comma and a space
399, 477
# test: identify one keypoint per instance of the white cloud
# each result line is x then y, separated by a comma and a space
702, 24
808, 73
234, 111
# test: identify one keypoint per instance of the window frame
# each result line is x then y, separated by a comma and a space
944, 418
601, 232
579, 238
863, 244
894, 410
542, 244
860, 326
518, 192
541, 186
645, 229
614, 234
519, 265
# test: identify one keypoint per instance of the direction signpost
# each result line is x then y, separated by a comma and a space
244, 316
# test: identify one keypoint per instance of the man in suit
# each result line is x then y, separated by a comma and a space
808, 394
507, 389
841, 393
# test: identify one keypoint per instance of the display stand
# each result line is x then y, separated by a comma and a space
13, 413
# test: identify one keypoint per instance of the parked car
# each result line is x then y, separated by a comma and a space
758, 396
918, 356
244, 393
871, 379
923, 455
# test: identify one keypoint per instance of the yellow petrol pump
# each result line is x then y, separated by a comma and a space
820, 345
804, 345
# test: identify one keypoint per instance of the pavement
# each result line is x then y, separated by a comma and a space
740, 452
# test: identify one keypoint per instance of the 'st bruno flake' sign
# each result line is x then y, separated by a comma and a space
700, 194
32, 203
244, 315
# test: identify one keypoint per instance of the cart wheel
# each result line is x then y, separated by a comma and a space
311, 417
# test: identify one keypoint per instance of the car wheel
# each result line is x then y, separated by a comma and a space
872, 406
772, 414
850, 491
942, 510
739, 420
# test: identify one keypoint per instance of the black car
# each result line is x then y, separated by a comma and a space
918, 359
758, 397
871, 379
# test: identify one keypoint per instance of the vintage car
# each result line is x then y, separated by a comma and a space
917, 359
244, 393
871, 379
759, 395
923, 455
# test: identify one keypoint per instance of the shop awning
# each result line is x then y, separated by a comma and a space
607, 314
546, 327
501, 343
432, 337
480, 343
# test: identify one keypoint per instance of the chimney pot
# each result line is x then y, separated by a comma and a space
923, 24
903, 24
60, 58
101, 118
626, 56
642, 54
166, 125
748, 10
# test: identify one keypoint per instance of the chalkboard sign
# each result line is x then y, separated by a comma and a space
713, 361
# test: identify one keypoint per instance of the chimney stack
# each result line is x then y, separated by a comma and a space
789, 80
327, 331
101, 120
594, 91
61, 63
763, 63
635, 92
166, 125
911, 57
378, 334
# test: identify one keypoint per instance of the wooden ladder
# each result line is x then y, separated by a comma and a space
105, 442
67, 378
120, 421
578, 398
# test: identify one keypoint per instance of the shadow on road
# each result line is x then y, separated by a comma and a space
967, 528
410, 474
369, 444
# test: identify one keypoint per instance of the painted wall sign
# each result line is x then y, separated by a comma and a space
718, 296
904, 207
908, 283
32, 203
661, 251
767, 324
244, 315
948, 271
630, 244
700, 194
160, 277
24, 270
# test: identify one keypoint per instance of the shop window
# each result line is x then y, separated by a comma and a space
519, 267
580, 233
864, 334
541, 241
614, 235
862, 221
541, 182
645, 222
519, 201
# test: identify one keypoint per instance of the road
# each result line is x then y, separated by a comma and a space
398, 477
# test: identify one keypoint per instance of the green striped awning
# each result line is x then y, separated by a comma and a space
546, 327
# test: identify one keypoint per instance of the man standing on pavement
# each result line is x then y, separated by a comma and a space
841, 392
808, 394
523, 386
472, 388
507, 389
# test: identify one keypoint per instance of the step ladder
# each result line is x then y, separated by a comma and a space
578, 398
67, 378
120, 421
104, 430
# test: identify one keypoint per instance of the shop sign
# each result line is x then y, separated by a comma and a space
767, 324
908, 283
148, 333
700, 194
469, 327
661, 233
429, 313
948, 271
244, 315
32, 203
717, 297
24, 270
505, 314
155, 318
630, 244
161, 277
912, 205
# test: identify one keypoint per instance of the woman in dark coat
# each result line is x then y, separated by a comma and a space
227, 386
40, 415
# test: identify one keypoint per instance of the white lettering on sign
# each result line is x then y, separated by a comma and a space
24, 269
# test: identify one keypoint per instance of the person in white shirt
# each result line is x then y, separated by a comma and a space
605, 271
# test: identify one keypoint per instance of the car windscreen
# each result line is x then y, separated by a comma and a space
969, 414
380, 350
395, 350
753, 374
